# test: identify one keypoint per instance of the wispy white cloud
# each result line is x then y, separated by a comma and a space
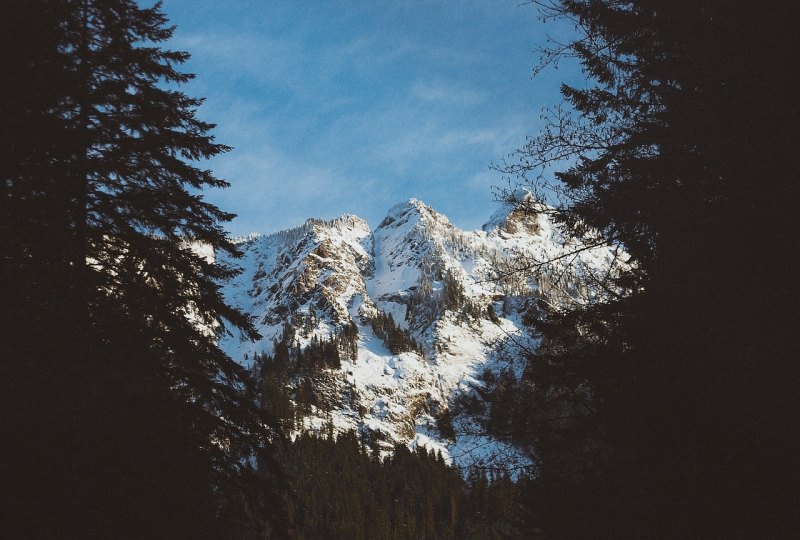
446, 93
352, 107
261, 59
272, 191
445, 141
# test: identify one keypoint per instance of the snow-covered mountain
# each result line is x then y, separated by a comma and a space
456, 296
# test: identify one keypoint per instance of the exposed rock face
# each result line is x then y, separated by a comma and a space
440, 285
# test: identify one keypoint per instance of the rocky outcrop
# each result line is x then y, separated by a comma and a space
440, 285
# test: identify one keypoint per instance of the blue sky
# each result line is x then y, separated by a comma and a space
352, 106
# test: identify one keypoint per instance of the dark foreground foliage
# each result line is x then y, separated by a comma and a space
343, 490
667, 410
120, 415
344, 486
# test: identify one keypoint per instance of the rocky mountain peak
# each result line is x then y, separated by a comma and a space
412, 307
410, 215
521, 215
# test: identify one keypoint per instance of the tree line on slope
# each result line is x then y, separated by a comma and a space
294, 377
342, 487
396, 339
427, 304
342, 490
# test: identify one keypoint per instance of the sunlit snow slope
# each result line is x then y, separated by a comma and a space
342, 271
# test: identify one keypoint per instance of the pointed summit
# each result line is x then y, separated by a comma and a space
401, 212
413, 213
520, 214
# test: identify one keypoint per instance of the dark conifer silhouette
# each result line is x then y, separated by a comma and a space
663, 410
121, 414
341, 492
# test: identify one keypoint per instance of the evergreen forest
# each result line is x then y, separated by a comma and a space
664, 408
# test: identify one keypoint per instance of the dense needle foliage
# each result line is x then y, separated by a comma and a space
120, 413
343, 487
664, 410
